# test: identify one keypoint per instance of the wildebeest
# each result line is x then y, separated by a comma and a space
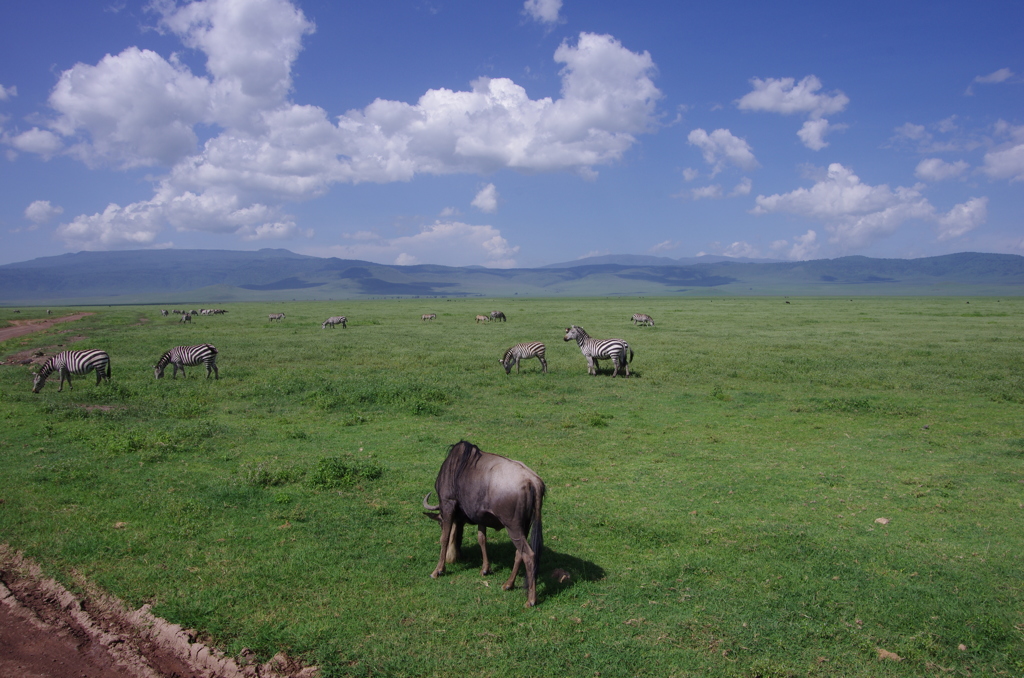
488, 490
483, 318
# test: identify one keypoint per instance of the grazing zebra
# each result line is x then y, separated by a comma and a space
335, 320
186, 318
483, 318
531, 349
275, 316
428, 316
49, 312
643, 319
78, 363
179, 356
164, 312
498, 315
600, 349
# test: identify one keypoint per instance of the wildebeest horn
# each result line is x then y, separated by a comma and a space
428, 506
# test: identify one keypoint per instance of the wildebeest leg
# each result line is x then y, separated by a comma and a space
446, 534
481, 538
511, 583
524, 556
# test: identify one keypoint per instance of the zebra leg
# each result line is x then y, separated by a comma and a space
593, 366
216, 372
543, 364
65, 374
517, 364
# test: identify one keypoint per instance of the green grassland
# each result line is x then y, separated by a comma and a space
717, 511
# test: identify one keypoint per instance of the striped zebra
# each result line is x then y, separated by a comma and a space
531, 349
275, 316
185, 318
180, 356
600, 349
428, 316
78, 363
164, 312
335, 320
498, 315
643, 319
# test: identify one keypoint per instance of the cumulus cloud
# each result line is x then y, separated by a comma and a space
721, 148
41, 211
8, 92
1007, 160
448, 243
487, 199
139, 109
544, 11
741, 248
858, 214
802, 248
742, 188
665, 246
713, 191
936, 169
787, 96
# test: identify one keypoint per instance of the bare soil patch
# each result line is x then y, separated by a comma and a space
27, 326
48, 632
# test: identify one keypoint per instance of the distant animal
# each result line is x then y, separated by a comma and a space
488, 490
600, 349
185, 318
180, 356
498, 315
482, 318
49, 312
532, 349
335, 320
164, 312
78, 363
275, 316
643, 319
428, 316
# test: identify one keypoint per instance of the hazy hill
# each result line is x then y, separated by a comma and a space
193, 276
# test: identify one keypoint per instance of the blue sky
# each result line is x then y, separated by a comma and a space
512, 133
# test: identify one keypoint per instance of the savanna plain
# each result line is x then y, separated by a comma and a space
784, 487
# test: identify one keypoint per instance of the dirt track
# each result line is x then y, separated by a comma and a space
21, 327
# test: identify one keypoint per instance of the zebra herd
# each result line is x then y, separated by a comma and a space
80, 363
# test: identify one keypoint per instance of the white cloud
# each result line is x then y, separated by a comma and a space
41, 211
138, 109
741, 248
721, 147
963, 218
1001, 75
742, 188
39, 141
857, 214
448, 243
665, 246
1007, 161
689, 174
544, 11
813, 132
132, 226
8, 92
487, 199
936, 169
713, 191
786, 96
804, 247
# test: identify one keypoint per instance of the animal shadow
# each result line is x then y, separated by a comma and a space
558, 571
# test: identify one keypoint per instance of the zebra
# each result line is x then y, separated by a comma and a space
428, 316
335, 320
185, 318
532, 349
78, 363
603, 349
643, 319
164, 312
180, 356
483, 318
498, 315
275, 316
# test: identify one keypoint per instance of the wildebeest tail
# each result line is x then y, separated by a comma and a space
537, 531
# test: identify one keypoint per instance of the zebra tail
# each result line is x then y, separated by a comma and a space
630, 354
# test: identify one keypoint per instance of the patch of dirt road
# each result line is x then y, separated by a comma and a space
48, 632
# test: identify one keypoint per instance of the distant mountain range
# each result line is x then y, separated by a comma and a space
168, 276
